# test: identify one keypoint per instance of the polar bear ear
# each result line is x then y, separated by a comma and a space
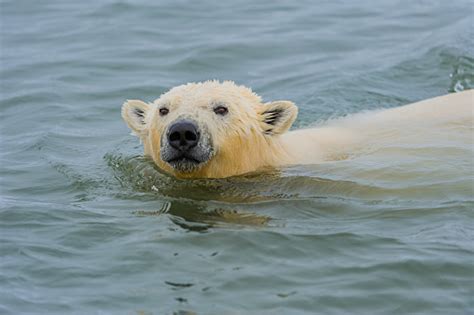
277, 117
134, 113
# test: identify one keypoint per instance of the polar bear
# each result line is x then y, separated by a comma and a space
219, 129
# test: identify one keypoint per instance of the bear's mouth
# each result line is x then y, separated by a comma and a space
185, 163
184, 159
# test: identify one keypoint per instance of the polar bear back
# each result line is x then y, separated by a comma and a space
434, 121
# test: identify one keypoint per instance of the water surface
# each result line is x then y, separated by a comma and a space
89, 226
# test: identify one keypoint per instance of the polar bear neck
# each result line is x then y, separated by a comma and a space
241, 156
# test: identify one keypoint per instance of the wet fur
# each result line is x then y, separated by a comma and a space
255, 135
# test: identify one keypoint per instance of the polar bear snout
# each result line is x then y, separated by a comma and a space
185, 147
183, 135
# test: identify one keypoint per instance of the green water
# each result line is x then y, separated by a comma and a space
88, 226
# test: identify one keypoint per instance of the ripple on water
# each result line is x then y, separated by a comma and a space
385, 231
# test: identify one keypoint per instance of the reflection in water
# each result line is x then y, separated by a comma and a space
194, 217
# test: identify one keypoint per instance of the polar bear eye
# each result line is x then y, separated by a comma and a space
221, 110
164, 111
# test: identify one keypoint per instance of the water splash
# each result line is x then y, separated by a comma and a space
462, 77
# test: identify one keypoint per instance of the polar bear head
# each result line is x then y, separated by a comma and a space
210, 129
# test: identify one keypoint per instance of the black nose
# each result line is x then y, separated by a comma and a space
183, 135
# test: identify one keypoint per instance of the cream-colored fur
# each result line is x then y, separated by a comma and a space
253, 135
444, 118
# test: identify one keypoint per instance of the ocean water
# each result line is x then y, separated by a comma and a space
90, 226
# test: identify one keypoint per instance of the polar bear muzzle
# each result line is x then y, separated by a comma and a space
184, 147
